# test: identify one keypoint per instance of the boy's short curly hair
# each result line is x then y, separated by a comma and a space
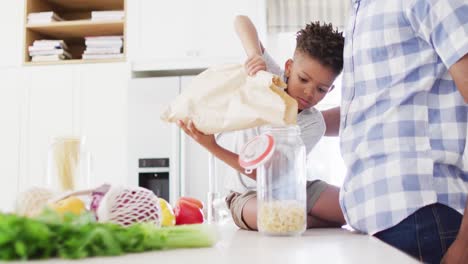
323, 43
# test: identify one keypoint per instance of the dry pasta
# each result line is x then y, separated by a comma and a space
281, 217
66, 154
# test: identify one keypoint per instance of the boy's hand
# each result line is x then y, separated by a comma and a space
254, 64
207, 141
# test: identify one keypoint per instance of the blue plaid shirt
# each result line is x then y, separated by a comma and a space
403, 121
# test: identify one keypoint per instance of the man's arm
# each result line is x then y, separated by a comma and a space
459, 73
457, 252
332, 121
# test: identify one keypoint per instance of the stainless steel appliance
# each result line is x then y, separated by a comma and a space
153, 174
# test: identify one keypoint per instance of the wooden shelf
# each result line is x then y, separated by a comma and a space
75, 28
79, 28
88, 4
73, 5
77, 61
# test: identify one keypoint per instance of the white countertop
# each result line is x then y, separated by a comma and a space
239, 246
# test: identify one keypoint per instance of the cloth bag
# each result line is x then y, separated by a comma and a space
225, 98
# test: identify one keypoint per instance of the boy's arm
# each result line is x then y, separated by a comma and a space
332, 121
209, 143
231, 159
247, 33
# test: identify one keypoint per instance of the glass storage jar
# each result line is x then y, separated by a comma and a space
68, 164
279, 156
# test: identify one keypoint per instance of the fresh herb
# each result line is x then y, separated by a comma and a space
73, 237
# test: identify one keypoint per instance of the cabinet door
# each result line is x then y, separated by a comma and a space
49, 114
148, 136
215, 34
194, 162
165, 28
11, 98
11, 26
190, 29
102, 102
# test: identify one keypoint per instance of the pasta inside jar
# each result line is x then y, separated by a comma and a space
284, 217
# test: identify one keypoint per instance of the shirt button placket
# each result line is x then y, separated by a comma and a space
356, 4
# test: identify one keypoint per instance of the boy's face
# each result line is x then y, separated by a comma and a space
308, 80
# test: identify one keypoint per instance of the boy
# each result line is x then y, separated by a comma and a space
309, 77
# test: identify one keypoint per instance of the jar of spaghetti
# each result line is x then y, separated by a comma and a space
68, 164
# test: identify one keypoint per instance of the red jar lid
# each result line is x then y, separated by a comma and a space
256, 152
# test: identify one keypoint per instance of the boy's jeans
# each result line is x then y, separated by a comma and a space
426, 234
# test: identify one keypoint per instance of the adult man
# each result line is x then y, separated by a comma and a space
403, 125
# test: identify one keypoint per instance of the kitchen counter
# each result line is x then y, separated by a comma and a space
239, 246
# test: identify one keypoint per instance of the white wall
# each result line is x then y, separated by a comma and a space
11, 95
11, 26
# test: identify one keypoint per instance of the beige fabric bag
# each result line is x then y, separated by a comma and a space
225, 98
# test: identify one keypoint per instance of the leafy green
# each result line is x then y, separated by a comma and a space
74, 237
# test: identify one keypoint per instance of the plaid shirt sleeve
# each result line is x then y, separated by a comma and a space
441, 23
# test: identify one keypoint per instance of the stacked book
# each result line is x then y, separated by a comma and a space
107, 15
43, 17
103, 47
49, 50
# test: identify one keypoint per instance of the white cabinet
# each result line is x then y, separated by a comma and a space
214, 26
194, 162
75, 100
189, 29
49, 113
164, 28
11, 26
101, 117
11, 94
148, 136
